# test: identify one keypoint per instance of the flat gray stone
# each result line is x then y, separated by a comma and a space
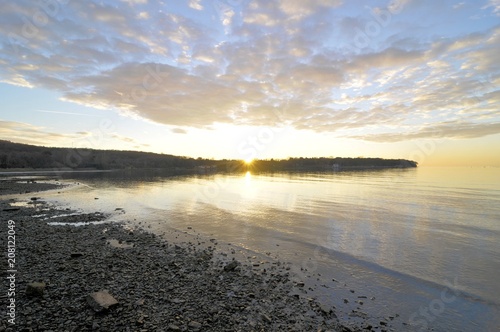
100, 301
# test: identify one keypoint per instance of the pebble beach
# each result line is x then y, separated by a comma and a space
148, 283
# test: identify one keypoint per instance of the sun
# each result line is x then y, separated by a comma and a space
248, 161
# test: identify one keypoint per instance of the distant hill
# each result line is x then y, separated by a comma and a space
15, 155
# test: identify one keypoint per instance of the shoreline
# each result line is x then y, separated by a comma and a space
27, 186
160, 286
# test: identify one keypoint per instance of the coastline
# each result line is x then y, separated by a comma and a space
362, 294
160, 286
27, 186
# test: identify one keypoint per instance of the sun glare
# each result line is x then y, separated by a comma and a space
248, 161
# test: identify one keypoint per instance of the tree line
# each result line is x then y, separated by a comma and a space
16, 155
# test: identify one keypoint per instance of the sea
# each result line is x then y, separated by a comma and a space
418, 248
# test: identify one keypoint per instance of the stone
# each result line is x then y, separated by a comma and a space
101, 301
35, 289
194, 324
173, 327
231, 266
325, 309
12, 209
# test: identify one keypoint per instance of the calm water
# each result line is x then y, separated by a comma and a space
425, 243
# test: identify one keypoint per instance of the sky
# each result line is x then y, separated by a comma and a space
242, 79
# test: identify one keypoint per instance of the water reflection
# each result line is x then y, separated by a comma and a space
428, 224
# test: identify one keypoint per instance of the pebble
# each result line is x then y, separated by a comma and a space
154, 287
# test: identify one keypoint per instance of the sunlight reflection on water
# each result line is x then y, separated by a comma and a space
426, 225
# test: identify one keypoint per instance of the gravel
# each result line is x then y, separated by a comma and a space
8, 187
159, 286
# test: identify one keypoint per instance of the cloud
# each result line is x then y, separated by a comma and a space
129, 141
396, 6
285, 13
123, 138
445, 130
265, 63
296, 9
65, 113
495, 4
30, 134
179, 131
195, 4
135, 2
17, 80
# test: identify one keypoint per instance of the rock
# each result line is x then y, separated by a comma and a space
12, 209
266, 318
178, 301
231, 266
325, 309
161, 287
35, 289
195, 325
100, 301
